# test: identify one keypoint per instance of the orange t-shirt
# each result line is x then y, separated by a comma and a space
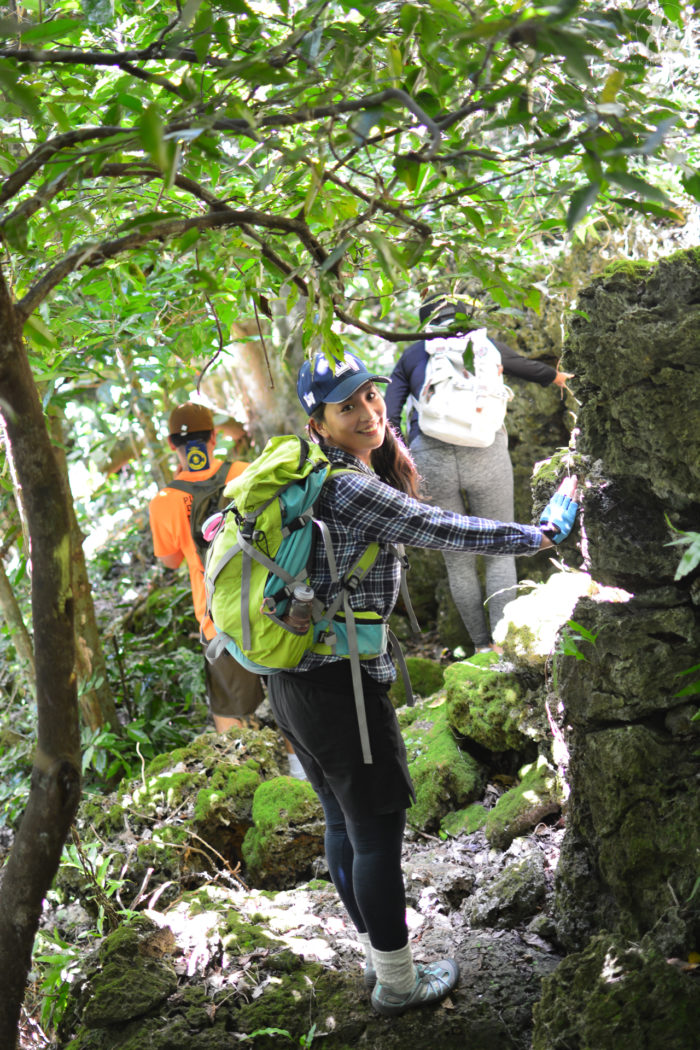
169, 514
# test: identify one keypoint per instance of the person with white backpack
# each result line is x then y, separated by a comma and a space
456, 400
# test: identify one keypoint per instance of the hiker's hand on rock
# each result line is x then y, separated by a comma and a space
558, 517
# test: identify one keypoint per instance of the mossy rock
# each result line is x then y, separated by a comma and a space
465, 821
523, 807
287, 833
489, 707
230, 789
426, 676
444, 777
127, 977
617, 996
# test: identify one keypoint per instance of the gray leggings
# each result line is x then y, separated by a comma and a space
485, 475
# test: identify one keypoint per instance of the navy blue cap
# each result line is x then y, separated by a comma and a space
321, 381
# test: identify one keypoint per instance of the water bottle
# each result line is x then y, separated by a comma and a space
298, 615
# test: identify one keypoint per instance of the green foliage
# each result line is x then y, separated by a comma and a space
570, 637
694, 687
94, 868
304, 1040
343, 151
15, 779
108, 755
58, 962
691, 556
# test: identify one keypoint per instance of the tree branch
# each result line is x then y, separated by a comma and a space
96, 254
43, 153
106, 58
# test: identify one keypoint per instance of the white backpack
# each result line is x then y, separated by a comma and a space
456, 405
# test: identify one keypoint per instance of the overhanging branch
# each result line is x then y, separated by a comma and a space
98, 253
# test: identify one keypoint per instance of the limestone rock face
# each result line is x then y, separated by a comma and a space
630, 855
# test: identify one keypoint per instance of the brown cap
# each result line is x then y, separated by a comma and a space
190, 418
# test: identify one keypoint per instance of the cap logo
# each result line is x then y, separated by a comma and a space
310, 399
348, 365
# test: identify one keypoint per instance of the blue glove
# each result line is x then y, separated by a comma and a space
558, 517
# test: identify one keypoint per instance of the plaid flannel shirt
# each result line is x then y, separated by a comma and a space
359, 509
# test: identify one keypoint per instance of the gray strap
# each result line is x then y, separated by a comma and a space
262, 559
357, 684
415, 626
246, 569
399, 552
397, 654
216, 647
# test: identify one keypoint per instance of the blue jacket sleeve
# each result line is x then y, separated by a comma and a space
406, 380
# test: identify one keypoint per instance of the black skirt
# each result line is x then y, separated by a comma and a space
316, 711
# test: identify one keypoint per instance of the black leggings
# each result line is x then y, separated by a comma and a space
364, 860
363, 847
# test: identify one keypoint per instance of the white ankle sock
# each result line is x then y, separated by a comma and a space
395, 969
364, 940
296, 769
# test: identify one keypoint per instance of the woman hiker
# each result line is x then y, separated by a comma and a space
454, 471
365, 803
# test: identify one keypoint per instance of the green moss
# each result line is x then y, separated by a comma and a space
279, 805
426, 679
245, 935
636, 268
523, 806
465, 821
617, 996
166, 790
166, 761
290, 1004
551, 471
283, 798
486, 706
319, 884
172, 835
235, 784
105, 822
444, 777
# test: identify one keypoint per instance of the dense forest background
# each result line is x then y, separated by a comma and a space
193, 198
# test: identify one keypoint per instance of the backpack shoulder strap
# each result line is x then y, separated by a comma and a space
213, 482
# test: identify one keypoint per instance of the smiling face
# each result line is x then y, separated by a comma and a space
356, 425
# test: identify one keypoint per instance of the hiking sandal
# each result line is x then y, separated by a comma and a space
433, 982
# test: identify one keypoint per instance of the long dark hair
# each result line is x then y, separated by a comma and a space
392, 462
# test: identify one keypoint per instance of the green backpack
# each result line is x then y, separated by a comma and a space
261, 547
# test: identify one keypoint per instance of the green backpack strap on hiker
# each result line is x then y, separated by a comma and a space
262, 549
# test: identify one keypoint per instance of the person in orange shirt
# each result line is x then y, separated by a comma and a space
233, 692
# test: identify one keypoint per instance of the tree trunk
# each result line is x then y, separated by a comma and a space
55, 790
95, 696
263, 383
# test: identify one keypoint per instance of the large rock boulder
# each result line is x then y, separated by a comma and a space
629, 864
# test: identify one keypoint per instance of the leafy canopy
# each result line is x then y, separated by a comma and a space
192, 163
